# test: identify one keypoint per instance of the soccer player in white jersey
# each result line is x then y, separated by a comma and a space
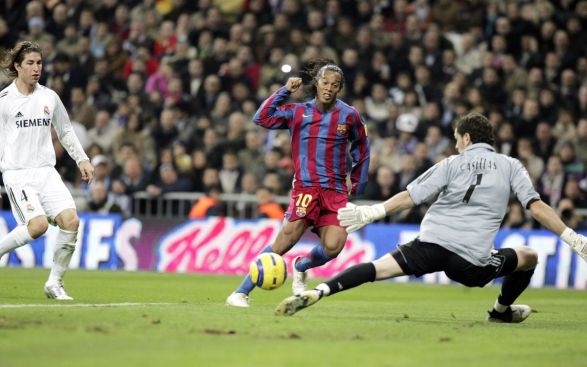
36, 192
470, 192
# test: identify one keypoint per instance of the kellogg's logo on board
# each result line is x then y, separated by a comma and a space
226, 246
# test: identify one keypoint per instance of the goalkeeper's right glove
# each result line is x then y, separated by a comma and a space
577, 242
356, 217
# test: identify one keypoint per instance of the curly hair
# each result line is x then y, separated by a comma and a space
16, 56
316, 68
478, 127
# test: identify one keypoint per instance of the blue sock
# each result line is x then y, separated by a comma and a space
316, 257
247, 285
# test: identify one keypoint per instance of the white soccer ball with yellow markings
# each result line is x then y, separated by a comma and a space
268, 271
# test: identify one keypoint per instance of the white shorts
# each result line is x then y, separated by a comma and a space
36, 191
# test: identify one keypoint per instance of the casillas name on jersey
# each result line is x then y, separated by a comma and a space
33, 123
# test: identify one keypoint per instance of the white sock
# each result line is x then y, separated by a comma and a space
19, 236
499, 307
64, 247
324, 288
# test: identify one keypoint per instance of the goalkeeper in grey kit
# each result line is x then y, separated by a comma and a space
36, 192
470, 193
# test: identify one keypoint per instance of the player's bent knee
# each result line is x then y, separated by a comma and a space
37, 227
68, 220
527, 258
333, 250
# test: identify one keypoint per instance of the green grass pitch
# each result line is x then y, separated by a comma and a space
181, 320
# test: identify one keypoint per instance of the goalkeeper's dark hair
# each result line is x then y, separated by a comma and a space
477, 126
315, 68
15, 56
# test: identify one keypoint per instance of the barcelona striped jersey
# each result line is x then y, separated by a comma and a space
319, 141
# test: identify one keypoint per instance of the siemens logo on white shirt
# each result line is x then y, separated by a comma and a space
33, 123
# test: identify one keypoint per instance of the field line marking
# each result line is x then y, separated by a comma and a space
70, 305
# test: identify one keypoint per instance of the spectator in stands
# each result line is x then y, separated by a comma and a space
564, 129
101, 165
244, 206
159, 81
101, 201
529, 55
181, 159
573, 192
534, 164
377, 103
552, 181
566, 210
198, 162
68, 44
389, 155
274, 181
251, 157
544, 142
437, 144
421, 157
515, 217
81, 111
571, 165
210, 178
407, 124
267, 207
8, 37
165, 132
231, 173
212, 146
133, 178
209, 205
104, 131
167, 180
580, 140
235, 136
37, 33
384, 186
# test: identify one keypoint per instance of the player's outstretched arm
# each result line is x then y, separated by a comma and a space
546, 216
356, 217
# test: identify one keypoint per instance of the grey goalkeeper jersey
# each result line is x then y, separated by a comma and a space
473, 190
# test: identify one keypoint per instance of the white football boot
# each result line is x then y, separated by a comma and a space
299, 282
237, 300
293, 304
56, 291
518, 314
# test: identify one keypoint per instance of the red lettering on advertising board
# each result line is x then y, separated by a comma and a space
223, 246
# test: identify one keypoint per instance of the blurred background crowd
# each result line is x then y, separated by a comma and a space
162, 92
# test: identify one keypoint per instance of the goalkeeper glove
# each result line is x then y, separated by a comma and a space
356, 217
577, 242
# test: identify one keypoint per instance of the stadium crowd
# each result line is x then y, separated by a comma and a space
162, 92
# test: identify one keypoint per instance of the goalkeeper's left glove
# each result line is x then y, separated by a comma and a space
356, 217
577, 242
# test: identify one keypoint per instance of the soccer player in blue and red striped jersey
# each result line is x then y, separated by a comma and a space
323, 133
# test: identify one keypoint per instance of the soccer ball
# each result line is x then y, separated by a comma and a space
268, 271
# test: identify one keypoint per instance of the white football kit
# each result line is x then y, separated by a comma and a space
27, 156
